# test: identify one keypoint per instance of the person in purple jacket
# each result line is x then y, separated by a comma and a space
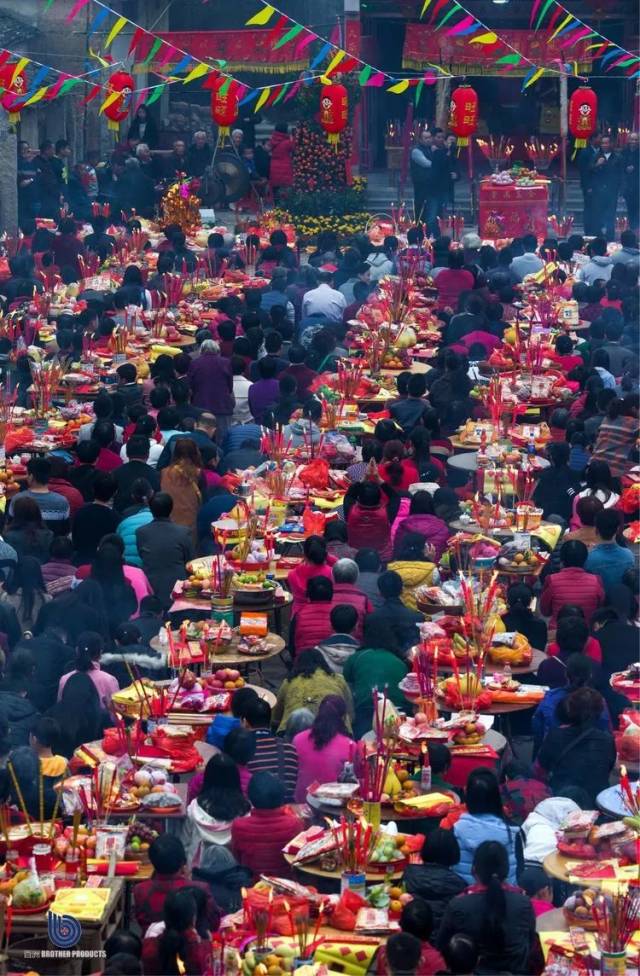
211, 380
422, 519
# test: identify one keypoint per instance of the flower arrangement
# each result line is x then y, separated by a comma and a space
345, 225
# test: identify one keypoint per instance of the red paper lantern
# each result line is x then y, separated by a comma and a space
14, 90
224, 108
334, 111
463, 113
118, 110
583, 115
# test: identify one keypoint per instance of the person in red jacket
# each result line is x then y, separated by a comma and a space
257, 839
368, 520
281, 171
345, 577
173, 946
317, 562
169, 860
573, 584
416, 920
312, 623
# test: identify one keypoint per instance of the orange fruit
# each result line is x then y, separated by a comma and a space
395, 892
395, 906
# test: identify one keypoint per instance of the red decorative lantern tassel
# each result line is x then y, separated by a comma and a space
117, 112
334, 111
583, 116
463, 114
224, 107
14, 90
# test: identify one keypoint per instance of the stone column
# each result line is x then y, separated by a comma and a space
443, 94
8, 176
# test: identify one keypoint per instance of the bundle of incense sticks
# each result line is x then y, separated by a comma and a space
630, 799
523, 484
276, 446
617, 917
88, 264
425, 669
173, 287
45, 377
304, 932
331, 413
258, 917
101, 209
5, 824
20, 797
349, 376
355, 840
279, 483
119, 339
7, 403
104, 780
138, 239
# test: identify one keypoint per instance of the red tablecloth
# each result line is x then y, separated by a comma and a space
461, 766
510, 211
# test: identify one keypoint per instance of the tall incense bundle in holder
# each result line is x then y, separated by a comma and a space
173, 288
425, 668
258, 917
45, 378
279, 482
349, 376
451, 226
88, 264
630, 797
180, 206
496, 151
276, 446
402, 219
371, 768
119, 341
137, 241
304, 931
540, 153
355, 840
221, 574
378, 346
561, 226
247, 530
617, 917
478, 637
622, 224
100, 210
331, 413
7, 404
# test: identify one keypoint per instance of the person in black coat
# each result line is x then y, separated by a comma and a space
606, 177
631, 180
402, 620
135, 468
434, 880
618, 640
143, 128
164, 547
579, 753
498, 917
551, 492
19, 712
53, 658
586, 157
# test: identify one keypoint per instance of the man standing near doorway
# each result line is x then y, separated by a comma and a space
421, 165
631, 180
605, 178
586, 159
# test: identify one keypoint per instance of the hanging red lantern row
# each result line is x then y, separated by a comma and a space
224, 107
118, 110
463, 114
334, 111
14, 90
583, 115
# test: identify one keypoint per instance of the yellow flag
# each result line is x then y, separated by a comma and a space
115, 30
335, 61
262, 99
41, 92
534, 77
325, 81
262, 17
564, 23
109, 100
22, 63
94, 54
425, 6
399, 87
489, 38
197, 72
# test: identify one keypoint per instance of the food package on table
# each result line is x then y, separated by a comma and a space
85, 904
135, 699
510, 648
315, 475
29, 893
253, 624
350, 959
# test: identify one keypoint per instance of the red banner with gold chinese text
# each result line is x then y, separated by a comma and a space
243, 50
424, 46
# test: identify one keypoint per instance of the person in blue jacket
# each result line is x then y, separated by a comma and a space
548, 715
484, 820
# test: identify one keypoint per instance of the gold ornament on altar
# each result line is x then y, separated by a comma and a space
181, 206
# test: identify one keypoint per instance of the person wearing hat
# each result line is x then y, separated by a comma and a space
324, 301
537, 885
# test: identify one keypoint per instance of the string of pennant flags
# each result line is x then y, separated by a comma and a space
559, 22
176, 66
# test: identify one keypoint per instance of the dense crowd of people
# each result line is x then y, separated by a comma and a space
93, 544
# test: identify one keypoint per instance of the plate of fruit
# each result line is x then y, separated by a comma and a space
139, 839
577, 909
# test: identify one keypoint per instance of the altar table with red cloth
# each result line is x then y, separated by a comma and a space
510, 211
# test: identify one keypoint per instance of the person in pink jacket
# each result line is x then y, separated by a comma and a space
317, 562
422, 519
324, 748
